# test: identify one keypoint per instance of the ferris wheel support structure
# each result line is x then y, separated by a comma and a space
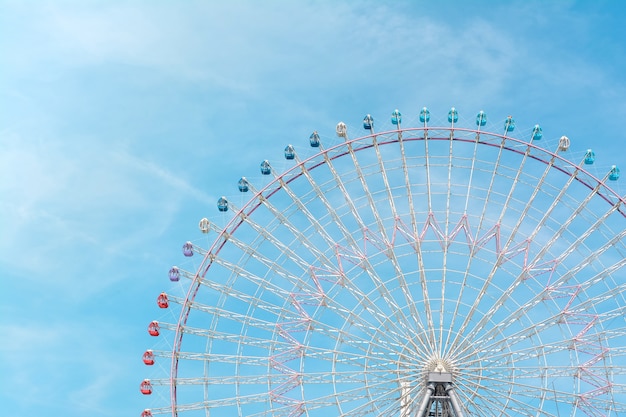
446, 279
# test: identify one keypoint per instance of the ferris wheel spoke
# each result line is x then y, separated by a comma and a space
269, 265
383, 290
530, 303
512, 392
413, 234
564, 225
444, 267
298, 315
584, 236
463, 224
559, 290
283, 248
483, 216
423, 280
345, 233
240, 318
507, 201
355, 322
287, 410
495, 340
387, 245
260, 302
319, 256
359, 321
346, 378
490, 188
390, 252
352, 244
521, 403
352, 400
327, 265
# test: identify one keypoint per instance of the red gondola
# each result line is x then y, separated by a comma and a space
148, 357
145, 387
153, 328
162, 300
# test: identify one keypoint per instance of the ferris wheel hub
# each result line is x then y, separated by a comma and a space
439, 369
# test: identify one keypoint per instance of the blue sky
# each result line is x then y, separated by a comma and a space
121, 123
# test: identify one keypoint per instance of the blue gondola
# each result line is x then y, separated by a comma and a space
396, 117
509, 124
290, 152
453, 115
222, 204
243, 185
481, 118
614, 173
368, 122
314, 140
265, 167
425, 115
537, 133
590, 157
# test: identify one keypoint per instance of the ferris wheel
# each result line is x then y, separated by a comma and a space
435, 270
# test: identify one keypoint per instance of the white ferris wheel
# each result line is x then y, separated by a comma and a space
429, 271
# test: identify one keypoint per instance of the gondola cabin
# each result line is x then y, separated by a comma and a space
368, 122
153, 328
290, 152
341, 130
590, 157
145, 387
425, 115
314, 140
243, 185
203, 225
222, 204
614, 173
396, 117
481, 118
162, 300
148, 358
174, 274
453, 115
266, 169
188, 249
509, 124
537, 133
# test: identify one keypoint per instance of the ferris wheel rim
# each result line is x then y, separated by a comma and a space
274, 185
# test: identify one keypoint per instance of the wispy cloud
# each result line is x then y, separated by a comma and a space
124, 122
71, 207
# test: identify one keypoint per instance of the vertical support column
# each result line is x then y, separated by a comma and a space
423, 410
454, 400
405, 399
